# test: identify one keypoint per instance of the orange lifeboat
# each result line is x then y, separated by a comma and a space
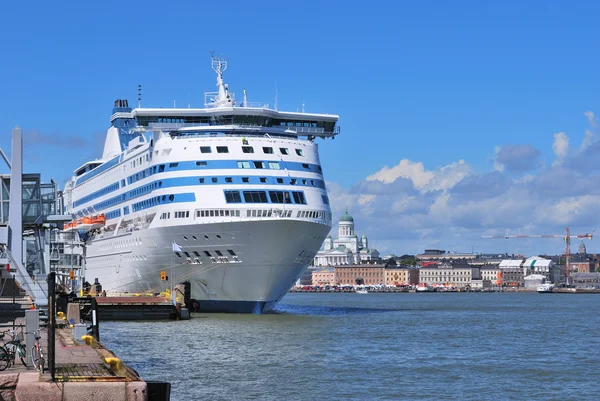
86, 224
98, 221
70, 226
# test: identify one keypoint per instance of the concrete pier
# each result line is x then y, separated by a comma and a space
85, 371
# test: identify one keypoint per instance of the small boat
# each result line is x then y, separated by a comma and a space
86, 224
545, 288
71, 226
424, 288
98, 221
361, 291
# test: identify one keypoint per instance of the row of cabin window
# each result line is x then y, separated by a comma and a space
268, 213
182, 214
217, 213
206, 253
113, 214
293, 181
311, 214
261, 197
249, 149
157, 200
97, 194
140, 175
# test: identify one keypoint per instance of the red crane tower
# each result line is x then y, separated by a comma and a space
566, 238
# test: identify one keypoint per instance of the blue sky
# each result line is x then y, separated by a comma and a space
458, 118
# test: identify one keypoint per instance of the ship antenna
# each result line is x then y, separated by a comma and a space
219, 65
275, 95
245, 98
139, 96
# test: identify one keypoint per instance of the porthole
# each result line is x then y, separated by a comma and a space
194, 237
218, 236
206, 237
185, 238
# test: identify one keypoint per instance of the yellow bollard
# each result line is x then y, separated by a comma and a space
88, 339
115, 363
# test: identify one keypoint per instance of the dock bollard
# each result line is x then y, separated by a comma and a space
115, 363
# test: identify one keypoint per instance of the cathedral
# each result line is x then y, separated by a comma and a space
346, 249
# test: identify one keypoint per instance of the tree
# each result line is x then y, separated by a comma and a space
598, 269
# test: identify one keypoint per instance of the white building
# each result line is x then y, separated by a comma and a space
346, 249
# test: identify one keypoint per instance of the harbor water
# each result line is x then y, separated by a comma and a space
426, 346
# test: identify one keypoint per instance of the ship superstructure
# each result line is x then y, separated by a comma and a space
230, 197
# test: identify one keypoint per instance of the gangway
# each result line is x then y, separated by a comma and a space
36, 289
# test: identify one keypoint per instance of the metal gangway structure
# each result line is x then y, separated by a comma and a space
29, 212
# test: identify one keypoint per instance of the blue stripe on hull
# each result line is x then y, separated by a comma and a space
254, 307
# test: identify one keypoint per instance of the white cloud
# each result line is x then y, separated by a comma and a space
407, 208
560, 146
407, 169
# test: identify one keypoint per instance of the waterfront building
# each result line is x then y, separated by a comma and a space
450, 275
585, 280
346, 249
513, 276
493, 275
439, 254
364, 273
324, 276
533, 281
401, 276
538, 265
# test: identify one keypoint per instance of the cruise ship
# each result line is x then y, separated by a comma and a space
230, 197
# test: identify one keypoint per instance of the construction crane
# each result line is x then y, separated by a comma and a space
566, 238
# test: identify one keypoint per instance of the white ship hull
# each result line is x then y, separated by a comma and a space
270, 255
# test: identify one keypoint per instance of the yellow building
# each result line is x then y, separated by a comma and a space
368, 274
401, 276
323, 277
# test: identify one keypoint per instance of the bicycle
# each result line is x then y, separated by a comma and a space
9, 350
37, 352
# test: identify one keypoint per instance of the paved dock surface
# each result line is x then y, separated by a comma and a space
82, 373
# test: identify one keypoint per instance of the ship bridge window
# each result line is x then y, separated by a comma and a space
215, 179
299, 152
201, 180
274, 166
299, 198
255, 197
222, 149
233, 197
259, 164
280, 180
161, 168
325, 199
243, 164
263, 179
173, 164
276, 196
201, 164
228, 179
284, 151
247, 149
305, 166
245, 179
267, 149
205, 149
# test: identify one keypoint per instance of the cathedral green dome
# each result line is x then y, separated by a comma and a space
347, 217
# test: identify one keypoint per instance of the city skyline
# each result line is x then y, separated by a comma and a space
457, 121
